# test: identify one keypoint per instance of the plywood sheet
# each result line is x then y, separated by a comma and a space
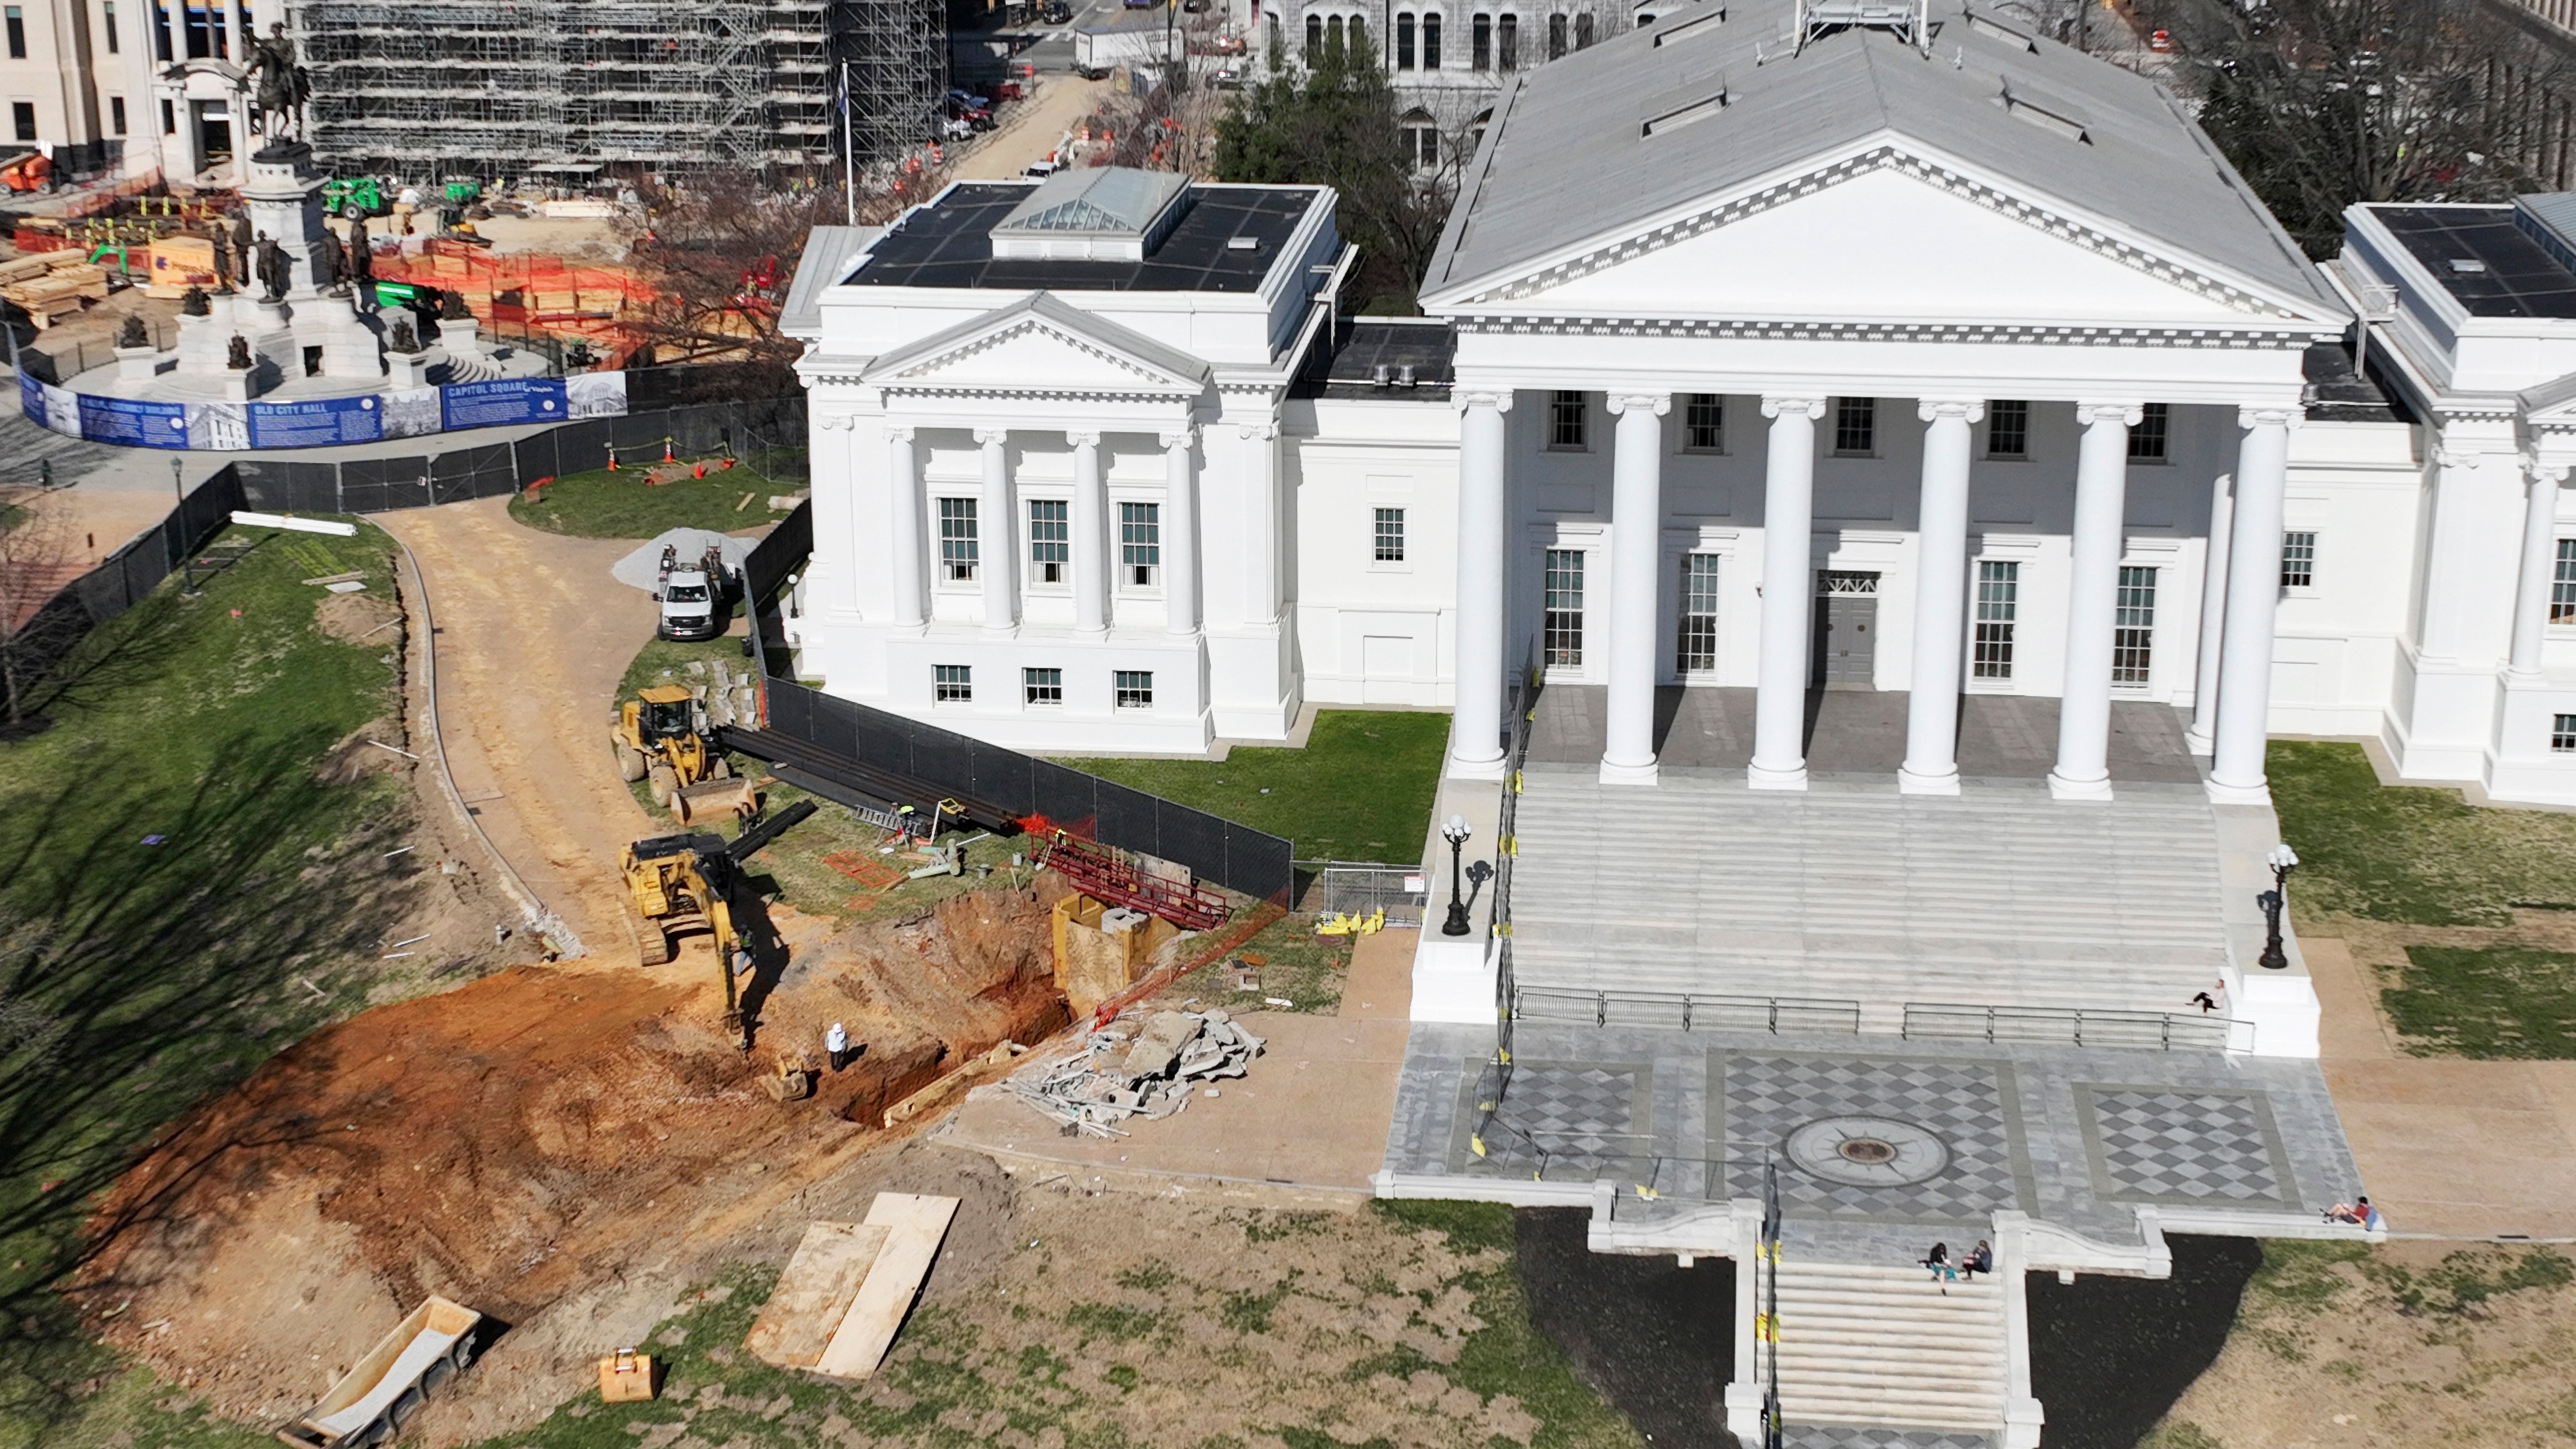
815, 1293
915, 1224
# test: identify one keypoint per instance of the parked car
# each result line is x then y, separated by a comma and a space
1056, 12
955, 129
1142, 4
1226, 78
968, 100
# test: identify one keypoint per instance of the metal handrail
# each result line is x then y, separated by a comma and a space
1692, 1011
2078, 1026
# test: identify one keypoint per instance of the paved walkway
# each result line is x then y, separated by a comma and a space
2449, 1147
1305, 1128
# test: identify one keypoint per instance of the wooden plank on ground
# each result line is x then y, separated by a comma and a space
814, 1294
916, 1223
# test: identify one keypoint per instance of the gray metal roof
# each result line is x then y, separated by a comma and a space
1567, 157
830, 252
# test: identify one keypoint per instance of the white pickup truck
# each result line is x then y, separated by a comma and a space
696, 595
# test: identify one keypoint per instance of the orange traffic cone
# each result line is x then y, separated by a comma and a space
612, 457
700, 471
666, 451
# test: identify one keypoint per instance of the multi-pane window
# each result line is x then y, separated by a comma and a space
1856, 426
1555, 36
1480, 43
1697, 650
22, 119
1404, 42
1419, 141
1704, 423
2298, 560
2133, 627
1562, 628
1042, 686
1565, 420
1998, 590
2147, 438
1050, 541
1430, 42
107, 12
1140, 541
2562, 733
957, 545
1507, 43
2008, 429
952, 683
1133, 688
2562, 585
1389, 532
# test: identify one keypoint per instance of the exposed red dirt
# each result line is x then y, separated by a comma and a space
528, 1137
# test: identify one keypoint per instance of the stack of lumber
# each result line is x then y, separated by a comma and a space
849, 1287
51, 285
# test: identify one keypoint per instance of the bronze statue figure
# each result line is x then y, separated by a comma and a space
362, 261
284, 86
403, 338
132, 334
328, 268
237, 357
272, 268
192, 303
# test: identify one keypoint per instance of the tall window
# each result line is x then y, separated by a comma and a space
22, 119
2562, 585
169, 119
1697, 649
1333, 33
1404, 41
17, 36
1507, 42
1390, 535
107, 15
1132, 688
1856, 426
1583, 31
1565, 420
1042, 686
1359, 33
1562, 627
1555, 36
1430, 42
1140, 541
2008, 429
2133, 627
1704, 423
952, 683
2147, 439
1419, 139
1314, 39
2298, 560
2562, 733
1050, 541
957, 544
161, 30
1480, 43
116, 115
1998, 585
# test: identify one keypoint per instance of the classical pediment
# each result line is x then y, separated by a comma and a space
1886, 237
1040, 345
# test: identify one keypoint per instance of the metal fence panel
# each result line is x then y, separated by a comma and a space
1360, 887
1066, 796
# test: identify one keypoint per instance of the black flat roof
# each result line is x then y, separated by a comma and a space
2336, 393
2511, 275
949, 244
1346, 364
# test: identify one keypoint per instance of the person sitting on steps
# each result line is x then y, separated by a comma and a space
1938, 1260
1980, 1259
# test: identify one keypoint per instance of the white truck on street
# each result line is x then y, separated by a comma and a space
1146, 38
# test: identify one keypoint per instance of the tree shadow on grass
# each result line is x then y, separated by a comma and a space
154, 975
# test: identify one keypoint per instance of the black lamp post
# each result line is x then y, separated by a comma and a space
2283, 860
1455, 830
187, 548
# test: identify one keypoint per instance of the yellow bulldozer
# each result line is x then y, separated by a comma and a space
656, 739
683, 883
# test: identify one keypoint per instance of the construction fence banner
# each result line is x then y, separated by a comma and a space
322, 422
1238, 857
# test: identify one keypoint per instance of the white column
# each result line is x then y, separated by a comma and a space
2213, 618
1476, 727
996, 552
1261, 536
1180, 532
2253, 597
904, 526
2539, 571
1788, 589
1088, 543
1940, 600
2093, 591
1636, 538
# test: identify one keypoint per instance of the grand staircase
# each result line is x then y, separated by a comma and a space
1879, 1347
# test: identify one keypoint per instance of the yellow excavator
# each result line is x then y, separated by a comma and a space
656, 739
694, 882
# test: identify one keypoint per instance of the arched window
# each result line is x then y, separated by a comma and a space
1507, 42
1555, 36
1431, 41
1480, 43
1359, 32
1404, 41
1314, 39
1419, 136
1476, 130
1583, 31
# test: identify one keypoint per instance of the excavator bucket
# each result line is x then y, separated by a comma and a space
714, 800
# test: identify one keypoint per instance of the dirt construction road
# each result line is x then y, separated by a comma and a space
532, 639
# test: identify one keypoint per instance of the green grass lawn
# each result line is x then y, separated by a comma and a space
1361, 789
2415, 856
2490, 1002
602, 504
175, 869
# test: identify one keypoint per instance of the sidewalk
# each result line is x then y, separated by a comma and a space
1305, 1129
2447, 1147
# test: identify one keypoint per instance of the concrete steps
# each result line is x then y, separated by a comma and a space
1886, 1347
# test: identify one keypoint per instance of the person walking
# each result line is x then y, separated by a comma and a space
836, 1045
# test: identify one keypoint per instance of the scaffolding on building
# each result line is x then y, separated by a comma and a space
568, 90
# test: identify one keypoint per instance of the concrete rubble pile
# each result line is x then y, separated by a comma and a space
1090, 1093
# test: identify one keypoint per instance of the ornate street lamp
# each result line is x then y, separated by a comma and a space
2283, 860
1455, 830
